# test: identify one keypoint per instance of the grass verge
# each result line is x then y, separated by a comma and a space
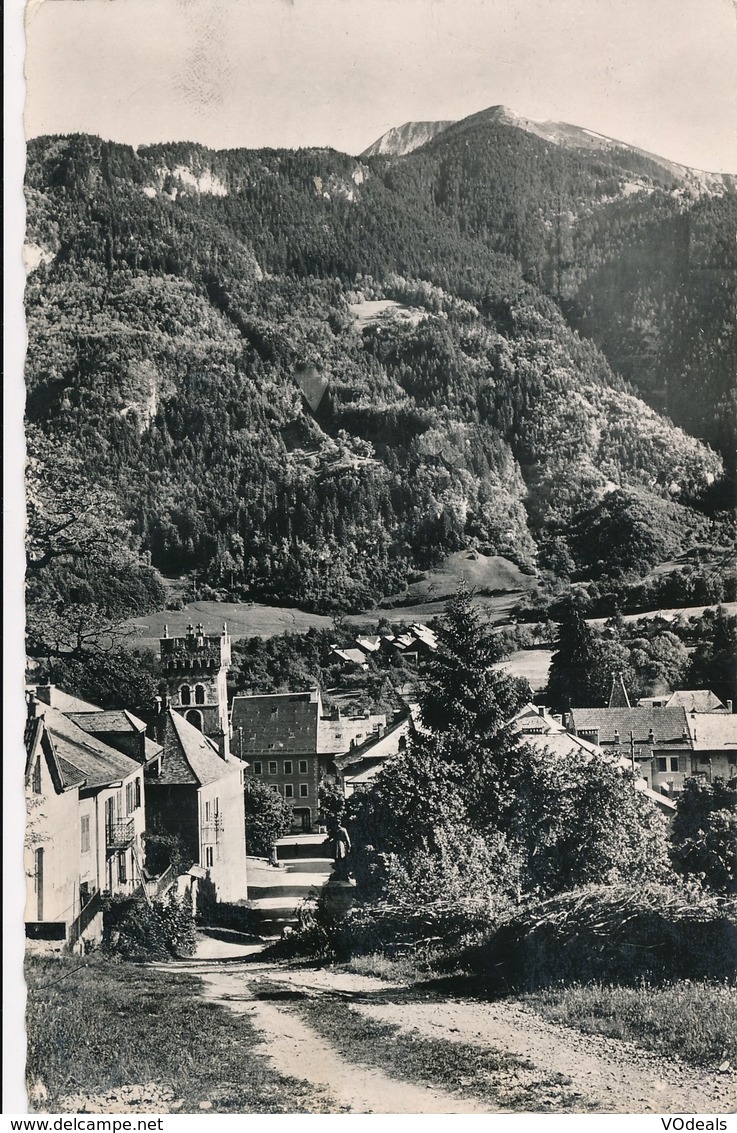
696, 1022
505, 1082
98, 1027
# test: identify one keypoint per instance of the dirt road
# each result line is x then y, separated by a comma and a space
552, 1067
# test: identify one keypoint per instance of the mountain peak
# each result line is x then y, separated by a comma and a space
404, 139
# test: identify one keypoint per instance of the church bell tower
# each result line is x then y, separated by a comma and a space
195, 671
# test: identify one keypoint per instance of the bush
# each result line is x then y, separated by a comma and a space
136, 930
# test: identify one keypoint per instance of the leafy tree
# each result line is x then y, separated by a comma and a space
580, 820
268, 817
704, 834
714, 661
126, 677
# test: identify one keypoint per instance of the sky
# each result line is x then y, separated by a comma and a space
661, 74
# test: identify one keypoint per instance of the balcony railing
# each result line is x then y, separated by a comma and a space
120, 834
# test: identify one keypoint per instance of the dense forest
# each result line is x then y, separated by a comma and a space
206, 353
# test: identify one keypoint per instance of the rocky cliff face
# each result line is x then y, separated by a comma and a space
404, 139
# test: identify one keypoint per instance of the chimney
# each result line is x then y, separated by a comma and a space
729, 706
223, 740
616, 735
651, 737
45, 693
379, 730
166, 630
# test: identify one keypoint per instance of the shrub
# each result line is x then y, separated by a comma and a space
136, 930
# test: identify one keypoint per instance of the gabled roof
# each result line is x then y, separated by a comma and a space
377, 747
369, 643
282, 723
39, 745
668, 725
424, 634
696, 700
530, 720
81, 754
355, 656
116, 720
713, 731
189, 757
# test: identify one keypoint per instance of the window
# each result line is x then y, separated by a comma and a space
207, 810
674, 763
199, 694
258, 767
303, 766
137, 792
122, 867
84, 828
185, 696
209, 856
662, 764
288, 791
304, 790
129, 798
287, 767
272, 767
37, 776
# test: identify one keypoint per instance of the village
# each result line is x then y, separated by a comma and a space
119, 806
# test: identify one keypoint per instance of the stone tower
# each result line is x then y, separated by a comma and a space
194, 671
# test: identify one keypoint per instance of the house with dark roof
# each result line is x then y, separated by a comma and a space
119, 729
86, 825
290, 742
195, 793
655, 740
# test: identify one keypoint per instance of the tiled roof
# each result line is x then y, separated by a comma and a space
560, 744
355, 656
284, 723
107, 721
713, 731
667, 724
190, 757
376, 746
530, 720
696, 700
98, 763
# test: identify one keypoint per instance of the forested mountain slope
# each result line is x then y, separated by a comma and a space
197, 334
641, 252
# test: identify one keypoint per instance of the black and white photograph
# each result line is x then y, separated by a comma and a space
375, 709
